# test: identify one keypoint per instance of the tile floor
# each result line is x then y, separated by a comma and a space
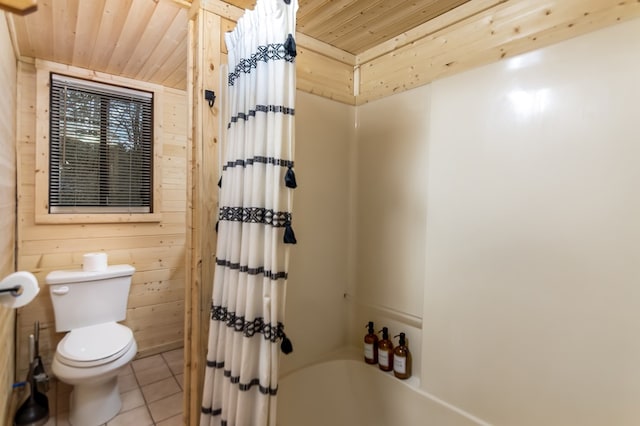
151, 390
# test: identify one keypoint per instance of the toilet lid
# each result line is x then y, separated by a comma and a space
95, 342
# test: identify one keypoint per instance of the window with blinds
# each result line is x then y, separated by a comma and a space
101, 148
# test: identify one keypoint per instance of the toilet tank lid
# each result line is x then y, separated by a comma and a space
78, 275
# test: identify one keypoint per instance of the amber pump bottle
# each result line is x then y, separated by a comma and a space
385, 351
371, 345
402, 359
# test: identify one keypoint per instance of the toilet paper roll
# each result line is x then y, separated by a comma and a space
94, 262
29, 289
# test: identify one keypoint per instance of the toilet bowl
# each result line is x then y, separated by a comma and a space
90, 358
96, 347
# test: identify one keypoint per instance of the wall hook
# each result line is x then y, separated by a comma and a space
210, 96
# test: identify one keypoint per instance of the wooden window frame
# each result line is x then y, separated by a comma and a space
42, 214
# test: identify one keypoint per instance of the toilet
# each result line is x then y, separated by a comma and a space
88, 305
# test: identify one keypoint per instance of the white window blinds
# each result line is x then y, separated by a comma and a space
101, 148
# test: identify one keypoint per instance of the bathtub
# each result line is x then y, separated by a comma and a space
351, 392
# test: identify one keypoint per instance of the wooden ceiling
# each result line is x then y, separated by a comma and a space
358, 25
141, 39
147, 39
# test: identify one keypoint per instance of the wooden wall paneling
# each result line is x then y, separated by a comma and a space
205, 75
321, 69
503, 31
323, 76
156, 249
8, 84
192, 279
227, 25
461, 12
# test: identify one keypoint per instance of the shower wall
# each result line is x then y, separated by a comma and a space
533, 237
318, 273
390, 216
497, 220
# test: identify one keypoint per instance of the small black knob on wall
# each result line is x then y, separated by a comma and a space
210, 96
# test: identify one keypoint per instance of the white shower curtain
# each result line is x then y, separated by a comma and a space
254, 224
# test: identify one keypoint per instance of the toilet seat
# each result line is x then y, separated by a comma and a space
94, 345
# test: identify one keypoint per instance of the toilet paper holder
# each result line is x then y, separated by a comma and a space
15, 291
22, 286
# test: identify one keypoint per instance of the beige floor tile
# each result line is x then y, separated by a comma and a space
160, 389
127, 369
52, 396
132, 399
62, 419
127, 383
147, 363
172, 421
138, 417
176, 366
174, 355
166, 407
63, 391
153, 374
180, 380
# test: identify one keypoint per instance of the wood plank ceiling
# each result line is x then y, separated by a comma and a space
141, 39
358, 25
147, 39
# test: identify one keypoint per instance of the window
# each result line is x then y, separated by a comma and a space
100, 148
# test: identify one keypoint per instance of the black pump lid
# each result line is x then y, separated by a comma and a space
402, 340
385, 333
370, 327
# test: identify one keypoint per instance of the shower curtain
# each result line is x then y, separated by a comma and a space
254, 221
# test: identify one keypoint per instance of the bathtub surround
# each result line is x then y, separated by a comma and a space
513, 262
255, 228
347, 391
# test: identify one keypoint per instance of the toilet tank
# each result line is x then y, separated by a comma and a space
82, 298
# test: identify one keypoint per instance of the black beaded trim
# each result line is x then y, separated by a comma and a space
252, 271
270, 52
255, 215
258, 159
210, 411
261, 108
248, 328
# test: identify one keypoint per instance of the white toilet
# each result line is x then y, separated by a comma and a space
87, 304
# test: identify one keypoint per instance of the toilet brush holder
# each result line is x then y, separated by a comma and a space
35, 410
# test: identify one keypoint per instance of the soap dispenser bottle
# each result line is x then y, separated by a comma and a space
402, 359
385, 351
371, 345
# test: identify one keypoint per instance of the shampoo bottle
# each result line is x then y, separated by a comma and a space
402, 359
371, 346
385, 351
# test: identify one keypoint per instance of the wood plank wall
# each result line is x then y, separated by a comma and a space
321, 69
157, 249
203, 74
478, 33
7, 210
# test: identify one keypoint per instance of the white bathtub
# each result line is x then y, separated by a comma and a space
349, 392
